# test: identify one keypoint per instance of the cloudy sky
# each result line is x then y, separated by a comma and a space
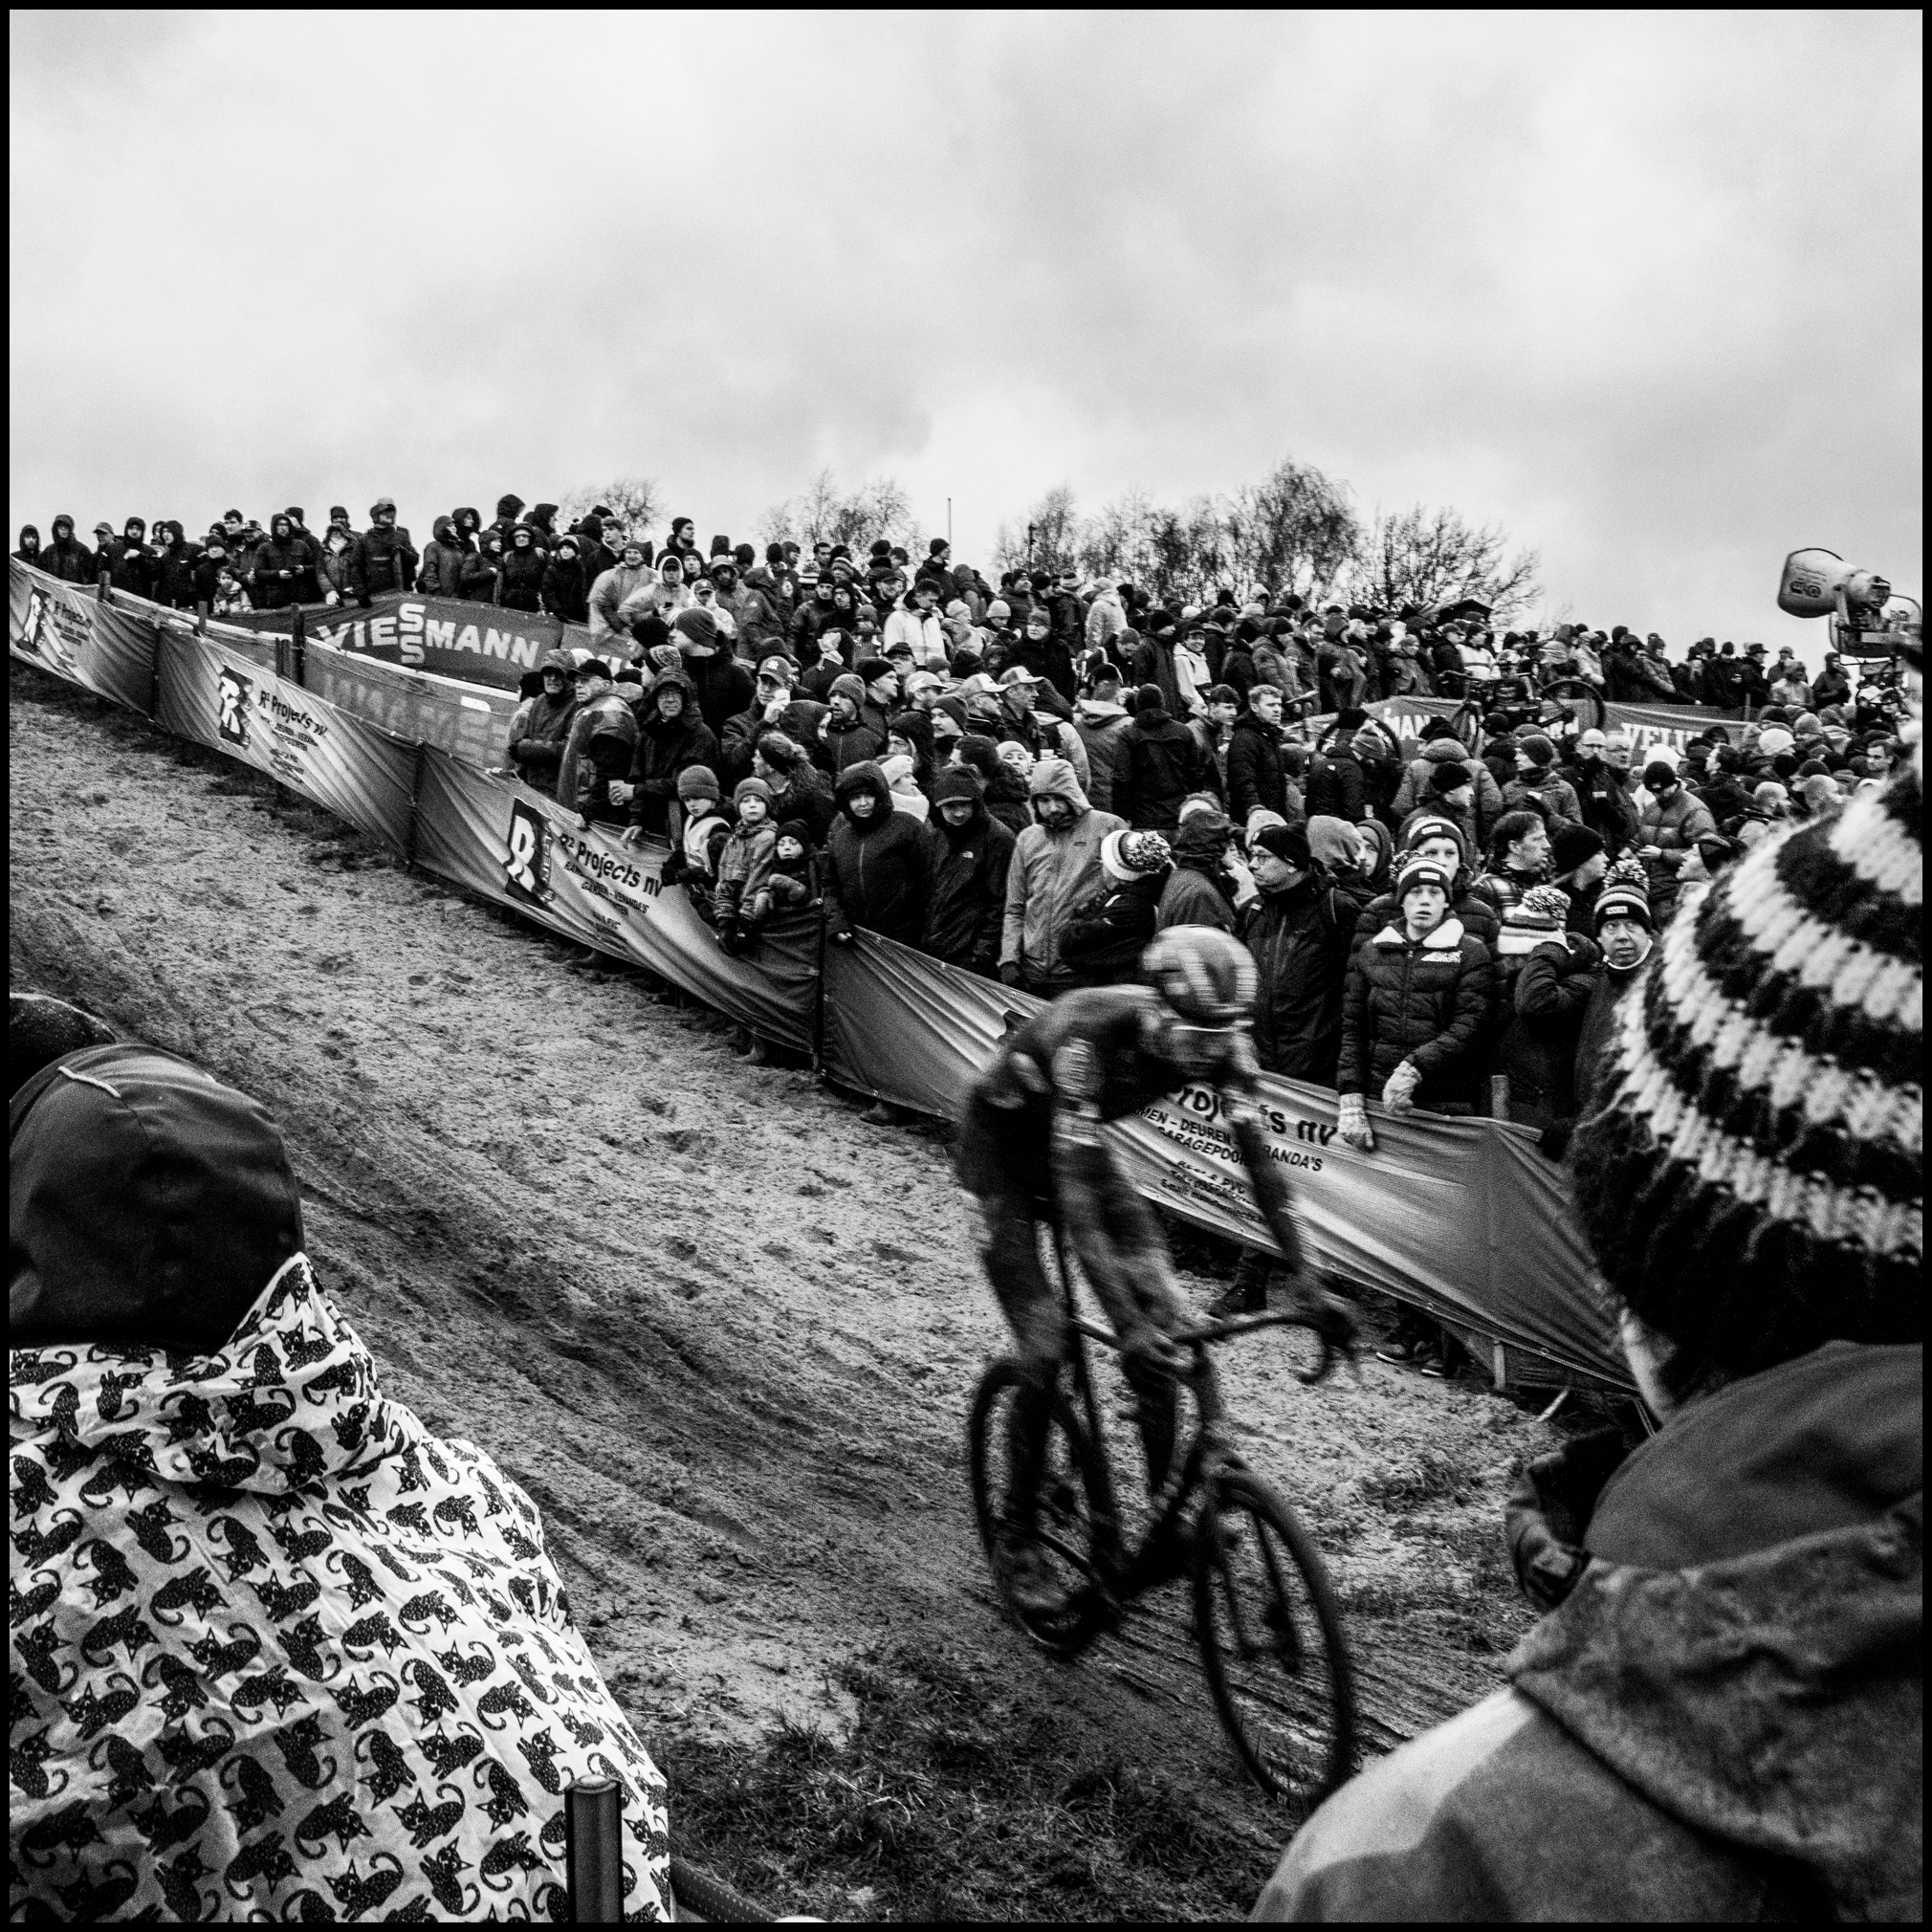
1642, 287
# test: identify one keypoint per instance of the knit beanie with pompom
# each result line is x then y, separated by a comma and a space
1752, 1182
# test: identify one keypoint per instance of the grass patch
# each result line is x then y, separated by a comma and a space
1431, 1477
954, 1797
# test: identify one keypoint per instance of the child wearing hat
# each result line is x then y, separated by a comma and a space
742, 900
695, 852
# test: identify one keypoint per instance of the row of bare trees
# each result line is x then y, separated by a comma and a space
1297, 531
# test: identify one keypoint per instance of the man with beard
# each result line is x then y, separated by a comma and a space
1602, 793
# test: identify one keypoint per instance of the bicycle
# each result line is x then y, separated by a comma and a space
1264, 1614
1556, 701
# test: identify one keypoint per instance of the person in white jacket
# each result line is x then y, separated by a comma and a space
607, 594
1106, 619
915, 622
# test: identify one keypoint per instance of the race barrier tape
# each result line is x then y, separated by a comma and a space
1463, 1217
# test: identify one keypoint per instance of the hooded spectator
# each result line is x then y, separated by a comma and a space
1108, 929
1537, 786
1007, 797
612, 592
383, 558
671, 735
130, 563
1831, 685
875, 869
443, 559
508, 509
1101, 722
524, 566
201, 1442
29, 551
910, 735
1056, 864
175, 563
1537, 1050
1720, 1714
723, 685
1414, 1008
967, 860
1444, 839
540, 730
541, 524
565, 590
285, 568
65, 556
1202, 889
1159, 763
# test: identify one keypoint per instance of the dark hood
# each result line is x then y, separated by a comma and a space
1745, 1649
509, 506
29, 531
444, 529
541, 515
865, 777
671, 680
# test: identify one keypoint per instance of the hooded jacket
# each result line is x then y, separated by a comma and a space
540, 728
29, 553
609, 594
131, 566
286, 550
524, 564
383, 557
564, 589
66, 557
875, 867
965, 879
1102, 725
307, 1659
1301, 939
1423, 1000
1722, 1720
1159, 764
665, 747
443, 559
597, 748
1051, 872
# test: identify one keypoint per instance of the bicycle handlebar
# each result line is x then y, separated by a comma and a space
1206, 1332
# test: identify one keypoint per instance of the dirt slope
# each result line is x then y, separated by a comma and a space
724, 1333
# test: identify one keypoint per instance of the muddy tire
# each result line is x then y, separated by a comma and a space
1271, 1642
1076, 1529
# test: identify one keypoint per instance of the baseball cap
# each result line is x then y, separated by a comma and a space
1019, 674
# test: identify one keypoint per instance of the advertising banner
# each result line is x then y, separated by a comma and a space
513, 845
1462, 1217
212, 693
69, 631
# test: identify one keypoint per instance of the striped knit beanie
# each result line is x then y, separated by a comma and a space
1753, 1182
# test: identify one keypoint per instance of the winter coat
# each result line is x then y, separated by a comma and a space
1159, 764
1101, 725
1414, 790
925, 636
744, 867
597, 748
1051, 872
1337, 788
1196, 894
384, 559
285, 551
1603, 796
1545, 793
1107, 930
855, 740
1301, 940
1424, 1001
1721, 1722
524, 568
1149, 661
1596, 1030
69, 560
722, 684
443, 558
665, 747
875, 868
332, 1624
131, 567
1258, 781
563, 592
537, 738
174, 574
800, 790
758, 628
608, 595
966, 890
1538, 1047
1674, 826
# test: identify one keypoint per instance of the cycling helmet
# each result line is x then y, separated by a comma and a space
1206, 975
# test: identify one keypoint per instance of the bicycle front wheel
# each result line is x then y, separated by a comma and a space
1271, 1642
1073, 1530
1584, 702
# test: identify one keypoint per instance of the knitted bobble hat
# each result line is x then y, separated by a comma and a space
1752, 1182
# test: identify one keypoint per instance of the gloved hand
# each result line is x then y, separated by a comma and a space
1399, 1091
1010, 975
1549, 1513
1353, 1124
731, 937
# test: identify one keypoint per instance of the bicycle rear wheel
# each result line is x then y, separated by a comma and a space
1583, 701
1271, 1642
1467, 725
1075, 1529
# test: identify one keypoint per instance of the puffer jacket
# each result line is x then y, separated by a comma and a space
1545, 791
524, 566
1721, 1722
442, 571
1424, 1001
965, 886
1051, 872
1538, 1047
608, 595
665, 747
1301, 940
1258, 781
1159, 763
875, 868
1674, 827
744, 866
1414, 791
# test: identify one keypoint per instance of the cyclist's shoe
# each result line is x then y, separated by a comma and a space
1030, 1582
1237, 1302
1401, 1353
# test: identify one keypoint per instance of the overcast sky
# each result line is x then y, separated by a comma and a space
1642, 287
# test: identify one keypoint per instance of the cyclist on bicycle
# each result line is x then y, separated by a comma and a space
1031, 1151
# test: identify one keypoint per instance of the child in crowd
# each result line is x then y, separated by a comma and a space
743, 897
695, 852
793, 879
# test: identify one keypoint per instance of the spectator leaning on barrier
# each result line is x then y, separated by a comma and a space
595, 696
671, 737
564, 591
1414, 1008
29, 551
540, 728
1537, 1049
131, 565
209, 1476
875, 869
968, 856
1719, 1718
1056, 864
65, 556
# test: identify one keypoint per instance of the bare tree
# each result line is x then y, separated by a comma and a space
823, 513
634, 500
1048, 540
1295, 530
1433, 556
